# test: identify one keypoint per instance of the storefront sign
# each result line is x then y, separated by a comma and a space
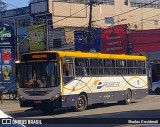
114, 40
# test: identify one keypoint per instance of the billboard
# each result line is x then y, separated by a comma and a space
81, 41
7, 57
36, 38
6, 35
145, 40
114, 40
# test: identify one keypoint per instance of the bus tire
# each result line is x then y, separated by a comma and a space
128, 97
157, 91
81, 103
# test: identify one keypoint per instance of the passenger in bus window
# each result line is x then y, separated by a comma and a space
42, 82
85, 72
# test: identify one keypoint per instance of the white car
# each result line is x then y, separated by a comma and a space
156, 87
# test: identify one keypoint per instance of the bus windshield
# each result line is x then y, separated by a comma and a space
38, 74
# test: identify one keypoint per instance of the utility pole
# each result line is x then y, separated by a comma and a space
46, 31
17, 43
89, 39
90, 29
90, 15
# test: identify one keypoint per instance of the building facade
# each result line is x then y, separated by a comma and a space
18, 18
138, 14
70, 15
60, 18
74, 14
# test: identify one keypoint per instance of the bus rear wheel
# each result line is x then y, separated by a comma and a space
81, 103
128, 97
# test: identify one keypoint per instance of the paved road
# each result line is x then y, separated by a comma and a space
147, 107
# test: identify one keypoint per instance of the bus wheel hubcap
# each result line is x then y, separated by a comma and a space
81, 102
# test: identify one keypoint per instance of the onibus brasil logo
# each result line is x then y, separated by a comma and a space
4, 32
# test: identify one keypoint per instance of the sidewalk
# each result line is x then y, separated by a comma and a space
11, 106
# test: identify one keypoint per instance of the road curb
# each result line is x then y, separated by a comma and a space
17, 111
11, 112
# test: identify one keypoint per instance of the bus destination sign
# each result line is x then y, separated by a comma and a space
38, 56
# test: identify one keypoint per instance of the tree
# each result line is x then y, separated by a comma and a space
3, 6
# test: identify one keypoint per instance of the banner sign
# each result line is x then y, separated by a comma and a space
6, 35
7, 57
145, 40
36, 38
114, 40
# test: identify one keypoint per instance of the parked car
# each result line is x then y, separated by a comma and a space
156, 87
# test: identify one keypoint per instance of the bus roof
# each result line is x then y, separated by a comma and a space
79, 54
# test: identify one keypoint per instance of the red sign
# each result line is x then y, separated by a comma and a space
145, 40
114, 40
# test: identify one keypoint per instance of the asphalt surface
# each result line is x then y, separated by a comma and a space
142, 109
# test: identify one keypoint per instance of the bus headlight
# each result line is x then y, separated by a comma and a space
55, 97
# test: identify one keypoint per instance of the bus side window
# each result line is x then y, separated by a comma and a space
56, 75
68, 69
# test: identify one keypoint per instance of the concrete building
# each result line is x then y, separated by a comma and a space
65, 16
70, 15
138, 14
73, 14
19, 18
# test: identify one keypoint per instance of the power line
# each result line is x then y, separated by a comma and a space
103, 19
87, 23
129, 10
11, 5
44, 25
147, 18
70, 15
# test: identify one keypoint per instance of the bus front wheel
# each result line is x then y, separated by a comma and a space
81, 103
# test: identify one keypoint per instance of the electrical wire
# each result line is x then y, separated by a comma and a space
11, 5
130, 10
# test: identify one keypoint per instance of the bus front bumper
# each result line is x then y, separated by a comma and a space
40, 103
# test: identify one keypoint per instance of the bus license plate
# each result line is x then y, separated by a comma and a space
37, 102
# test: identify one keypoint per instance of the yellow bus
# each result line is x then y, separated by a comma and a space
54, 79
